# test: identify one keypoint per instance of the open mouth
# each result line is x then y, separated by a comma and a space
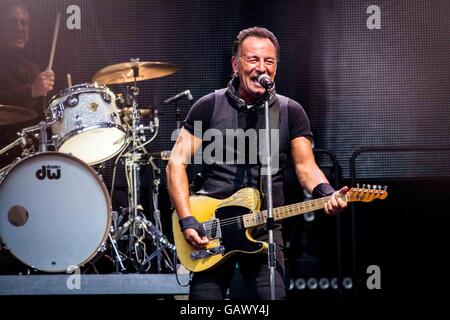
255, 81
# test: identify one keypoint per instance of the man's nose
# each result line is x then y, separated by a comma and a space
261, 66
19, 25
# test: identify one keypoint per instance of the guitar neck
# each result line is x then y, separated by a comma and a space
280, 213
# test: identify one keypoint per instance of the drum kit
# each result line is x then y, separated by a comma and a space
55, 210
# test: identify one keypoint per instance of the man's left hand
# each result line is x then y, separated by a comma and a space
336, 204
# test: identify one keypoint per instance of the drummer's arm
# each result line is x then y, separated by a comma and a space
43, 84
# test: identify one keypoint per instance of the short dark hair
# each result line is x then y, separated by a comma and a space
257, 32
10, 3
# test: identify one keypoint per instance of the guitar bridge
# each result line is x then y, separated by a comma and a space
205, 253
212, 229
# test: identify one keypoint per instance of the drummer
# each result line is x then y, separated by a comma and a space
21, 82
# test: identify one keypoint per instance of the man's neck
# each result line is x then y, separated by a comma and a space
250, 100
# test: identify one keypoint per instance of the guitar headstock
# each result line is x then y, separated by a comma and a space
366, 193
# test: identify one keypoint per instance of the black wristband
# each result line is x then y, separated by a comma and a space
191, 223
322, 190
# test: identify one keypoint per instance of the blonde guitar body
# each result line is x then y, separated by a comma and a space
228, 223
204, 209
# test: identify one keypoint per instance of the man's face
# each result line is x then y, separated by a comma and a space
15, 33
257, 56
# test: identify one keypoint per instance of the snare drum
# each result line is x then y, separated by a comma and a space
55, 212
86, 123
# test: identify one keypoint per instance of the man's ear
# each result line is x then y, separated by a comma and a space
235, 64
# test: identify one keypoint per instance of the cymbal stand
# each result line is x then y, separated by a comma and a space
163, 243
133, 167
138, 225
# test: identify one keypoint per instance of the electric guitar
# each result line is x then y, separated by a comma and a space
228, 223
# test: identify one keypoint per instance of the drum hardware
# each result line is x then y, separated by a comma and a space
28, 135
137, 228
119, 260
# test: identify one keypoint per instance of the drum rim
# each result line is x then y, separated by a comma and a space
102, 125
77, 89
105, 193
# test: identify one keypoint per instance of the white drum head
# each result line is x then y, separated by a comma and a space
96, 145
54, 212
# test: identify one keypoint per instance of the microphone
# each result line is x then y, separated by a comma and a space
180, 95
265, 81
162, 155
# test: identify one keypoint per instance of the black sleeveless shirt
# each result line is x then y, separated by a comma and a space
220, 123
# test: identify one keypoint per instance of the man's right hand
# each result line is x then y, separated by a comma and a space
43, 84
192, 237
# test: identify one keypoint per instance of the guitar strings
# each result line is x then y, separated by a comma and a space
231, 224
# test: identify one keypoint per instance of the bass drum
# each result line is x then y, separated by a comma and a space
55, 212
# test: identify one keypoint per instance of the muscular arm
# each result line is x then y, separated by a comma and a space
177, 181
308, 173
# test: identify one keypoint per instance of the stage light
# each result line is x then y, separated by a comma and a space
309, 216
300, 284
324, 283
347, 283
334, 283
312, 283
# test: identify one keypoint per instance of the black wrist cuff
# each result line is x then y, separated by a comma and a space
191, 223
322, 190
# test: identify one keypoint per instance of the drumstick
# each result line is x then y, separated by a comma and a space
55, 39
69, 80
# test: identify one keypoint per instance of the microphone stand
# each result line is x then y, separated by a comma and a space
270, 219
177, 115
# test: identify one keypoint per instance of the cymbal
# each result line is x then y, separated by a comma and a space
123, 72
10, 115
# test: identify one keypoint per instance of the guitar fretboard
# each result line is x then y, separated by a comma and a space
259, 218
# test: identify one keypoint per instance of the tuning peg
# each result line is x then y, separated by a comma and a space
357, 185
369, 186
385, 188
379, 187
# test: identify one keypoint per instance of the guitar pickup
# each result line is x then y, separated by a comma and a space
212, 229
205, 253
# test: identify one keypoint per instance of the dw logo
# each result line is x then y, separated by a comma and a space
49, 172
